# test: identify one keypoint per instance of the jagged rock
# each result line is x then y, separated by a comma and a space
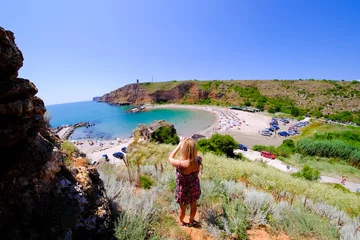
17, 89
11, 58
34, 201
14, 130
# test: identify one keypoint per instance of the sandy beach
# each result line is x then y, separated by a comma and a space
245, 127
95, 151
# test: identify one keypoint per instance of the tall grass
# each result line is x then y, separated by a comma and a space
329, 148
275, 181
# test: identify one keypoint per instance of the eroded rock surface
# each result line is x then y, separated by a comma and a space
41, 198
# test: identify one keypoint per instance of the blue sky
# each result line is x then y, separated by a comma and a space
78, 49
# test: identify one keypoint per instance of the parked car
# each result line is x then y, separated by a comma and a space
242, 147
276, 127
269, 129
123, 149
266, 133
267, 154
284, 134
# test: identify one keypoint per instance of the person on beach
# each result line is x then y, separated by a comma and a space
187, 180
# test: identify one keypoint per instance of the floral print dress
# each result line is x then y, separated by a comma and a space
187, 187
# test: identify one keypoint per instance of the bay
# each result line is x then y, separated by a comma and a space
112, 121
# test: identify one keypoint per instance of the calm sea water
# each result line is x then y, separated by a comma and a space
113, 121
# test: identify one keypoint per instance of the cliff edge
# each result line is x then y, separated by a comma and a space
40, 197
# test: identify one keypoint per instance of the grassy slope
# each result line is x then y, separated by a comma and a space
224, 201
264, 177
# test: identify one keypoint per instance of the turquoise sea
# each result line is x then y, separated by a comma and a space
113, 121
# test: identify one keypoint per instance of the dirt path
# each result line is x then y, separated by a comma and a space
194, 233
276, 163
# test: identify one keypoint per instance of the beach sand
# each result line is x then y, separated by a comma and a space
245, 127
95, 152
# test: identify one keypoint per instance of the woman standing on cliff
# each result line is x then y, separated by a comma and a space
187, 179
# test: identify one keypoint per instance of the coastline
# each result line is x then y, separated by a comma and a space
244, 127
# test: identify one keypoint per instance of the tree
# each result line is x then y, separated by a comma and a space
165, 135
295, 111
218, 144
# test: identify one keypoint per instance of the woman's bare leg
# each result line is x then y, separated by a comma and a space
182, 213
193, 208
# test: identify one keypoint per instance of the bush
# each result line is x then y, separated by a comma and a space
146, 182
307, 173
218, 144
299, 224
130, 227
271, 110
289, 143
68, 148
329, 148
165, 135
341, 187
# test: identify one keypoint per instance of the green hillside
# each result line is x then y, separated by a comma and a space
336, 100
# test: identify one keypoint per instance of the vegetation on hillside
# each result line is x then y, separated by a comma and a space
218, 144
266, 197
334, 100
331, 149
165, 134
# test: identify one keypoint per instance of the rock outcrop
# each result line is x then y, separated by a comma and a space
40, 197
137, 94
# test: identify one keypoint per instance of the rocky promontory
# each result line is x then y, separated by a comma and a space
41, 198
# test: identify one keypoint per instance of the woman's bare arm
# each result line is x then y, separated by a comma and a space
176, 162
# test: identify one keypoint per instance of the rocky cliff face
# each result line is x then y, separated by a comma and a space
40, 197
136, 93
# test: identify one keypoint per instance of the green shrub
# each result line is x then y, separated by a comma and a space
307, 173
271, 110
218, 144
236, 216
146, 181
289, 143
165, 135
68, 148
341, 187
130, 227
300, 224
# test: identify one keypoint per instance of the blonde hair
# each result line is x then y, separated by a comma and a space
189, 151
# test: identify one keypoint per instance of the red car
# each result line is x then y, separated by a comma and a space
267, 154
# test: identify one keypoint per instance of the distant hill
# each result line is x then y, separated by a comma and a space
96, 99
316, 97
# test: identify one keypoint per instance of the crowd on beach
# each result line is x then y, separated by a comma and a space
228, 120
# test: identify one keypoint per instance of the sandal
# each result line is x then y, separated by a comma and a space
194, 224
184, 224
